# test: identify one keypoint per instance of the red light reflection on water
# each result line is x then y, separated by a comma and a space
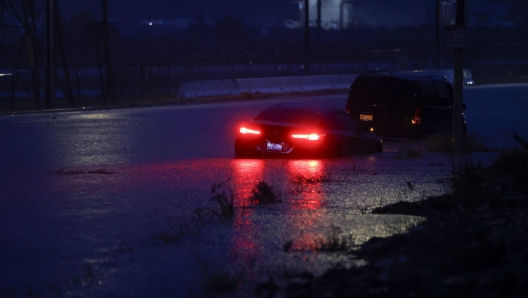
246, 173
306, 167
243, 249
306, 176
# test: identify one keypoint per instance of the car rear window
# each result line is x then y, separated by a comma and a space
289, 115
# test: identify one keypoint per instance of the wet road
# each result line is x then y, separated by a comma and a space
88, 198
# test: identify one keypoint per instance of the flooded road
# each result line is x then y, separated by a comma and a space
117, 202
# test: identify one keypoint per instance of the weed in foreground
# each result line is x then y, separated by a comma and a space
520, 140
476, 184
513, 163
335, 242
303, 183
170, 233
408, 153
363, 209
467, 181
224, 196
263, 193
303, 180
444, 143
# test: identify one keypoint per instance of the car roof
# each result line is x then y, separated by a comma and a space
321, 109
409, 76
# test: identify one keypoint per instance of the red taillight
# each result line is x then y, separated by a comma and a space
245, 130
417, 117
310, 136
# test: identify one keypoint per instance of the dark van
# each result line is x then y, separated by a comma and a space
403, 105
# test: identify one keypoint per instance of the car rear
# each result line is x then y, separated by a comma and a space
280, 131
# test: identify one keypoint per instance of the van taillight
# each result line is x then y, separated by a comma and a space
417, 117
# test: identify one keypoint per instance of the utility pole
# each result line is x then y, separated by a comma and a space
306, 37
50, 56
437, 33
319, 25
30, 31
458, 136
108, 66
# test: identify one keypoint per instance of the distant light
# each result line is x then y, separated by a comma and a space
150, 23
371, 129
5, 74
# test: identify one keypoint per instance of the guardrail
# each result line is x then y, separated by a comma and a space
196, 89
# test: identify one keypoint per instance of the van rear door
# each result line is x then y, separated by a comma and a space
436, 108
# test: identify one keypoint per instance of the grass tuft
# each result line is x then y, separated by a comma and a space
443, 143
408, 153
513, 163
335, 242
224, 196
520, 140
263, 193
300, 179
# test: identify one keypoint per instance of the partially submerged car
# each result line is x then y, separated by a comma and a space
402, 105
303, 131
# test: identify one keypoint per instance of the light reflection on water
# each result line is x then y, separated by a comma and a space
314, 205
317, 196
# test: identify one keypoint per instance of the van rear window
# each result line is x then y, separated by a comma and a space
436, 94
384, 90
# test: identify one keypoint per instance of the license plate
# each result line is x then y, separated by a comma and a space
365, 117
274, 147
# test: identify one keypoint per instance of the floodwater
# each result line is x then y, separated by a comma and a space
118, 203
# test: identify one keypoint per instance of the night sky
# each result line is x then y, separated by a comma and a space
168, 9
387, 12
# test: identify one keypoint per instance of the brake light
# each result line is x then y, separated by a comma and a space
245, 130
311, 136
348, 107
417, 117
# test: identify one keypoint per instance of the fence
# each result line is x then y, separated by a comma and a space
158, 81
